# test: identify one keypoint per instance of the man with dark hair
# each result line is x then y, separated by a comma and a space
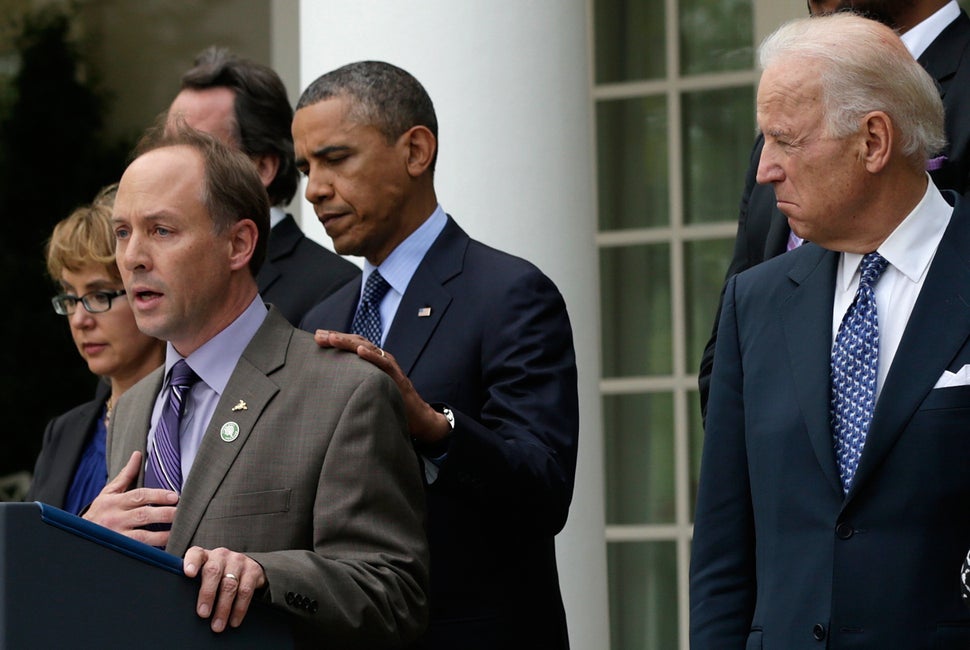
285, 471
245, 104
478, 342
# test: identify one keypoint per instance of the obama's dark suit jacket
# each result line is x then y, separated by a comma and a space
487, 334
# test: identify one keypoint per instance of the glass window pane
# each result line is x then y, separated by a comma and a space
632, 163
715, 36
643, 595
639, 433
630, 40
706, 263
636, 316
719, 131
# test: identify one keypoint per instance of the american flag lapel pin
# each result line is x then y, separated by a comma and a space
424, 312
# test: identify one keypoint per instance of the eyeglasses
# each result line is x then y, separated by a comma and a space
94, 302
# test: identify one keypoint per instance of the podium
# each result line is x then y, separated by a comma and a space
66, 582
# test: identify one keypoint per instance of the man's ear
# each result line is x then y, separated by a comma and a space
267, 166
420, 146
242, 239
879, 137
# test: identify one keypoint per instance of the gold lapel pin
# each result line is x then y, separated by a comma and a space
241, 406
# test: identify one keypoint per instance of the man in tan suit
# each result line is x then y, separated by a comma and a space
300, 485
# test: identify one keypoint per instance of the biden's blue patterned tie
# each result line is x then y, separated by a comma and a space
855, 365
367, 320
164, 468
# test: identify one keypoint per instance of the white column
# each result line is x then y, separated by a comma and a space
510, 83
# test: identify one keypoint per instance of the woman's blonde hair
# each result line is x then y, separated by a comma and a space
85, 238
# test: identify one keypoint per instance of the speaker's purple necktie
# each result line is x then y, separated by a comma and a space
367, 320
164, 468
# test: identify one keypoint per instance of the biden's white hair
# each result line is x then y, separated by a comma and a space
863, 66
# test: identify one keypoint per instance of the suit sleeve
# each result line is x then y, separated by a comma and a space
365, 582
722, 569
740, 261
516, 460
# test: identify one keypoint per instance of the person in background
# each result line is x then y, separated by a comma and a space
478, 341
833, 497
244, 104
284, 470
937, 34
70, 470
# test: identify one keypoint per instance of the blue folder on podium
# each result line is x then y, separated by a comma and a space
68, 583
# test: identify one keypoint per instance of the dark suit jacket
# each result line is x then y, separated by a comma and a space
763, 230
496, 347
64, 440
298, 272
781, 560
321, 487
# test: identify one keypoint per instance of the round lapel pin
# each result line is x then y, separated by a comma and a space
229, 431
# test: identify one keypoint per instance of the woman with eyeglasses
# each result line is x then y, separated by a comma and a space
71, 470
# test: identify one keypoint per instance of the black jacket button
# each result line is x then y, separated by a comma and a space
818, 632
844, 530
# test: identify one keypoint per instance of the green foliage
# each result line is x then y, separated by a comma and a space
53, 157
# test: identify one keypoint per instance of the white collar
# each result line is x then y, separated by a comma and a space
911, 246
922, 35
276, 214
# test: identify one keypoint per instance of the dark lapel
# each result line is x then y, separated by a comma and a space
426, 299
336, 312
75, 434
807, 318
937, 329
944, 54
282, 240
776, 241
